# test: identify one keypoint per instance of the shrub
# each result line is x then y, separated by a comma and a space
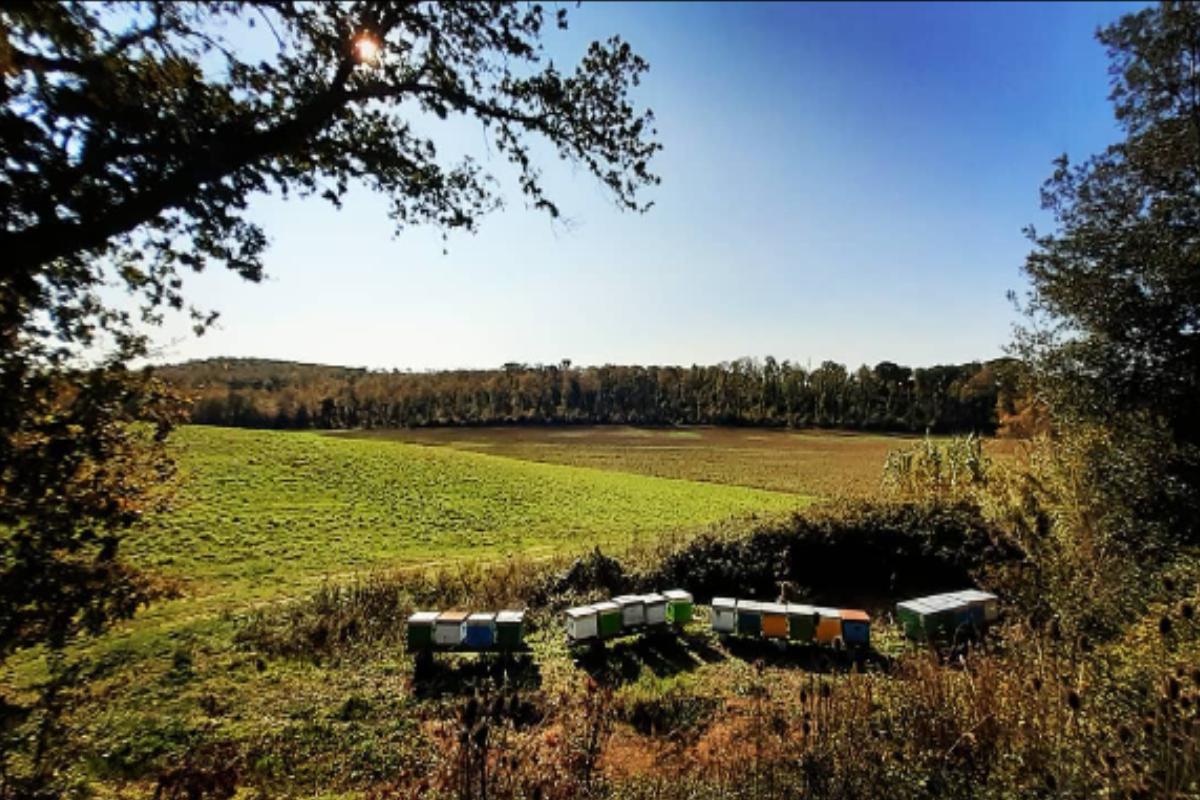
850, 552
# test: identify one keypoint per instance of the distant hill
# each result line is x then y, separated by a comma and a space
265, 393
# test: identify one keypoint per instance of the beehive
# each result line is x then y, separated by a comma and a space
582, 623
609, 614
420, 629
936, 616
914, 616
749, 618
802, 622
656, 608
510, 629
679, 606
988, 602
958, 613
944, 615
856, 627
969, 613
724, 614
633, 610
774, 621
829, 625
447, 630
479, 631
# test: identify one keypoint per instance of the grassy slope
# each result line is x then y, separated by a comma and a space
264, 515
261, 511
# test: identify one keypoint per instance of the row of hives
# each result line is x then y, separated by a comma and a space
791, 622
482, 630
935, 616
629, 613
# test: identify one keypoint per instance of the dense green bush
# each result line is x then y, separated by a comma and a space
852, 552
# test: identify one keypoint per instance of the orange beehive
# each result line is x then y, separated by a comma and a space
829, 625
774, 621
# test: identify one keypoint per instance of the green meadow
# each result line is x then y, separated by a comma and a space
257, 512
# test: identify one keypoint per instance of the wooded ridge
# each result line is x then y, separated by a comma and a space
261, 393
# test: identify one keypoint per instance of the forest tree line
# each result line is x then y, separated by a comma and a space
260, 393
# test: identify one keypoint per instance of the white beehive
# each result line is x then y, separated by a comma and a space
581, 623
448, 630
724, 614
633, 610
656, 608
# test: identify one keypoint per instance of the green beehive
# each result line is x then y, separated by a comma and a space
420, 630
802, 622
934, 617
610, 618
510, 629
679, 606
912, 614
749, 618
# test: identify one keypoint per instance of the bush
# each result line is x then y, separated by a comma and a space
853, 552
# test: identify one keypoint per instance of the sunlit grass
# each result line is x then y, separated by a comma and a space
262, 510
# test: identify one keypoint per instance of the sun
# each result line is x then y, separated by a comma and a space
366, 48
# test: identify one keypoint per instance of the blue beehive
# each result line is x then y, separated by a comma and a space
856, 627
479, 631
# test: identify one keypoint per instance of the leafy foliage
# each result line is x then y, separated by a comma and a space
1115, 298
946, 471
134, 136
850, 552
75, 472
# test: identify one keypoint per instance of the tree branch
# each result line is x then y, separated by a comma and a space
228, 149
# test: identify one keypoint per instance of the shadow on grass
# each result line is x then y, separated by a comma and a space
617, 663
451, 674
621, 662
809, 658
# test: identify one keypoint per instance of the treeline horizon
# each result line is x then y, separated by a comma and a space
263, 393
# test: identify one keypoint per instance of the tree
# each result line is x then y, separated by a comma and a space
133, 137
1114, 343
1116, 287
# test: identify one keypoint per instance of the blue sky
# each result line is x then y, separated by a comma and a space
842, 181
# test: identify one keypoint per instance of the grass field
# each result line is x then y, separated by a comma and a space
815, 463
261, 510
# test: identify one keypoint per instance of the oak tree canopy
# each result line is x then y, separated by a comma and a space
133, 138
